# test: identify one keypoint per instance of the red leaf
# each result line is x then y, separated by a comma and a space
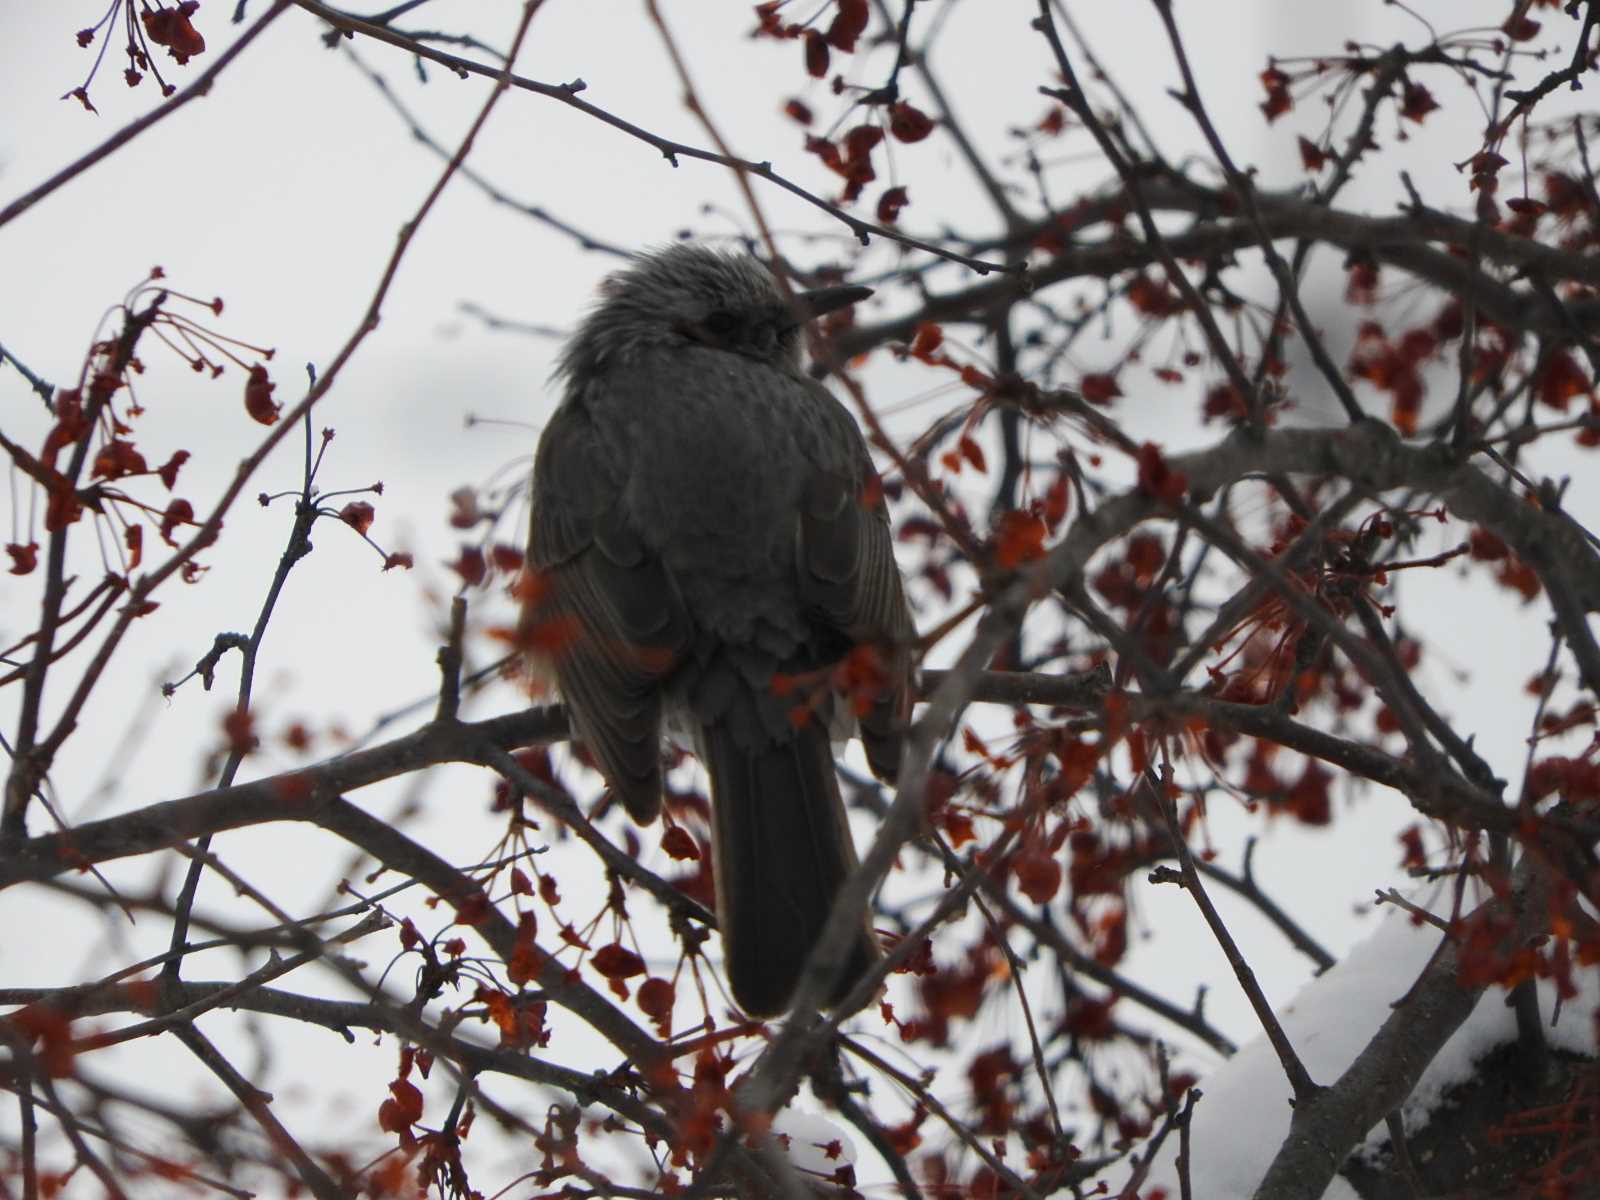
1056, 501
859, 143
1224, 401
928, 339
1567, 196
23, 558
827, 152
170, 27
238, 726
1099, 388
616, 961
62, 507
1278, 100
464, 510
118, 458
1308, 798
1038, 875
547, 639
403, 1109
81, 95
258, 401
908, 123
656, 998
1157, 478
169, 473
799, 111
958, 825
1487, 162
1486, 546
470, 565
179, 512
1362, 285
1312, 156
849, 23
473, 910
1152, 298
1415, 854
526, 957
53, 1031
358, 514
70, 426
858, 173
678, 844
520, 1024
1416, 102
816, 54
768, 23
1019, 538
890, 204
973, 453
1560, 380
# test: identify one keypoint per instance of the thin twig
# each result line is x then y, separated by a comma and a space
127, 133
1300, 1081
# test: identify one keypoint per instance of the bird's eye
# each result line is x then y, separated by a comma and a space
721, 324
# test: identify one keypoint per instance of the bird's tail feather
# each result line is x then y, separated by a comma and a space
783, 850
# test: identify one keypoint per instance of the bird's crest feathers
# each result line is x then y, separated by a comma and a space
685, 292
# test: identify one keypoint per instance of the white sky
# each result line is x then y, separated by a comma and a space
282, 192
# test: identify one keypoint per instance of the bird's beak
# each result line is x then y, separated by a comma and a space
813, 304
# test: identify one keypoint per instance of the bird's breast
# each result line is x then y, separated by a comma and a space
719, 458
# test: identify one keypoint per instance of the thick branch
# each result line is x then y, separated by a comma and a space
1323, 1132
1419, 243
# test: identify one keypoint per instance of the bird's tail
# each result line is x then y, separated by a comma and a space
783, 850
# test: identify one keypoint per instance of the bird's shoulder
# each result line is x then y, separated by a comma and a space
666, 396
578, 475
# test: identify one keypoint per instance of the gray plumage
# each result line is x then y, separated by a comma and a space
706, 521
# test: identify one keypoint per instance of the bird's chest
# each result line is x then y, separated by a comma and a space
717, 476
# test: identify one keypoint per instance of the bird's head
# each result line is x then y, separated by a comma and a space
688, 294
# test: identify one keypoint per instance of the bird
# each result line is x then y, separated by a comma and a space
710, 552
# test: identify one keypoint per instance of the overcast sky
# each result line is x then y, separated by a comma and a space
282, 192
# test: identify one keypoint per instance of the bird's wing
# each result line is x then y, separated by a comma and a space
602, 608
848, 576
